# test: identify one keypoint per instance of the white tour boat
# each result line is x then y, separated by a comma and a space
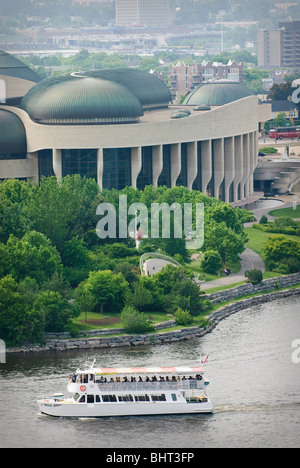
136, 391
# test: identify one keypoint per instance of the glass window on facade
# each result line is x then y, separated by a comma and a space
13, 156
79, 161
197, 185
116, 168
145, 176
45, 163
165, 177
182, 179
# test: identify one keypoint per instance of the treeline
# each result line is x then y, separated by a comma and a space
53, 266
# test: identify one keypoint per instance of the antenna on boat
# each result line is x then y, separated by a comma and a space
91, 364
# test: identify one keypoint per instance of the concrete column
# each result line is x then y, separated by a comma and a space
157, 163
192, 163
100, 168
206, 163
247, 165
253, 161
57, 163
136, 165
218, 155
239, 165
175, 163
229, 165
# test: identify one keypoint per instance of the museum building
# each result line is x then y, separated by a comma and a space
119, 127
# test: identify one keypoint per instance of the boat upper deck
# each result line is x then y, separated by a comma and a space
143, 371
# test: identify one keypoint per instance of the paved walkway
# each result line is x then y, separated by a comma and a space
250, 259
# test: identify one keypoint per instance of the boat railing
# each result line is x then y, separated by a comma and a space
151, 386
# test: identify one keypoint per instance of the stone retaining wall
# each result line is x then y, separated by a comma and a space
161, 338
247, 289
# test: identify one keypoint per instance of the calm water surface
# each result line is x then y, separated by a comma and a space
254, 385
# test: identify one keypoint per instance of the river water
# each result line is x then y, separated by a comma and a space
255, 386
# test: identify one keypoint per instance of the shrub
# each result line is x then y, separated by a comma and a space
263, 220
211, 262
135, 322
183, 317
269, 150
293, 265
254, 276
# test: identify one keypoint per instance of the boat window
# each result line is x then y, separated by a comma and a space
98, 399
142, 398
92, 378
158, 397
126, 398
90, 399
82, 399
174, 397
109, 398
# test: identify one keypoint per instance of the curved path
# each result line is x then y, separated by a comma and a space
249, 260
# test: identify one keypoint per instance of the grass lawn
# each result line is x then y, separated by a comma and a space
196, 267
100, 321
257, 239
288, 212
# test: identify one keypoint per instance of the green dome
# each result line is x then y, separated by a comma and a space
217, 93
150, 90
11, 66
70, 100
12, 134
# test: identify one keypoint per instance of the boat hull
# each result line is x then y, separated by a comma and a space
102, 410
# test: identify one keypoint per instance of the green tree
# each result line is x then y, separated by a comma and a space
19, 320
57, 311
134, 321
139, 296
108, 290
280, 247
221, 238
86, 301
280, 120
32, 256
211, 262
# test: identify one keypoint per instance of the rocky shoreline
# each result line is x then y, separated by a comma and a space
103, 342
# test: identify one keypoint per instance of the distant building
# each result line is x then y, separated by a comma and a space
154, 13
291, 44
184, 78
270, 49
287, 107
280, 47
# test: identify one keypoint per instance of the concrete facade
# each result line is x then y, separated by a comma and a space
213, 151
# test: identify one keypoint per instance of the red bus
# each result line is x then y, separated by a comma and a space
284, 132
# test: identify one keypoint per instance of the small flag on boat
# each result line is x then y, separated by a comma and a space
206, 359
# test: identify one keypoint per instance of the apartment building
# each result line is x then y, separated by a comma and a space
281, 47
184, 78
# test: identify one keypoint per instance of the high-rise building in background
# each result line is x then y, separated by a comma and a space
270, 49
154, 13
281, 47
290, 44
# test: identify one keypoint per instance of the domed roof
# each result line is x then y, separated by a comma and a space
80, 100
12, 134
150, 90
217, 93
11, 66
